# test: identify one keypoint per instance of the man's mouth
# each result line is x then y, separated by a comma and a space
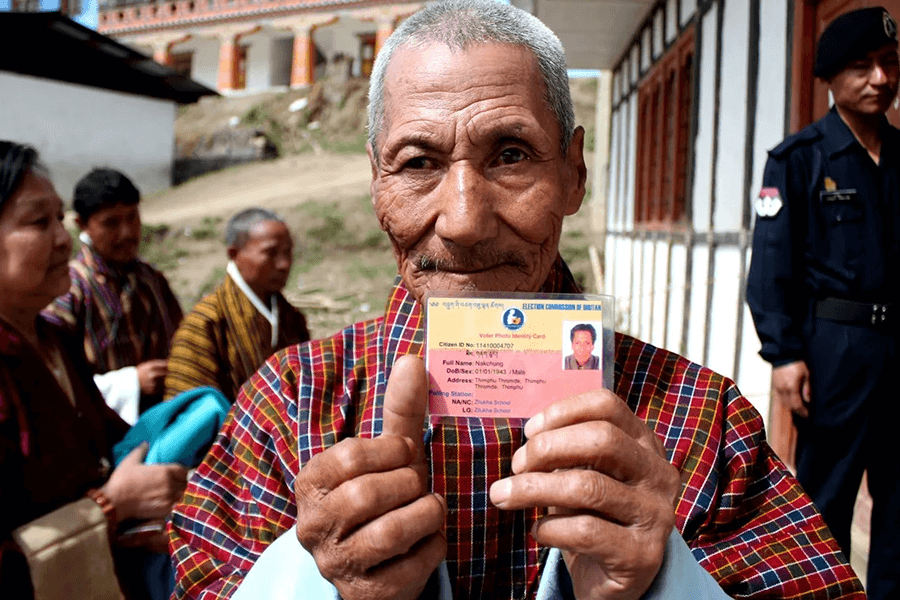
470, 265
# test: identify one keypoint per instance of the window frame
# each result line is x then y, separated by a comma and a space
665, 108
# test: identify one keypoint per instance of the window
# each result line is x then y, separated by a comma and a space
664, 113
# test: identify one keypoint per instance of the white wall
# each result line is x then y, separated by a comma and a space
770, 105
703, 145
76, 128
205, 62
730, 154
258, 69
341, 37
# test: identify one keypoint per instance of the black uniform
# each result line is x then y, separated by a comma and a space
823, 288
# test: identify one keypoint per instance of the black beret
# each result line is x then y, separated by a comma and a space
851, 36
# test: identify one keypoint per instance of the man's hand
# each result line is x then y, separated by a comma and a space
610, 490
790, 386
363, 507
152, 375
141, 491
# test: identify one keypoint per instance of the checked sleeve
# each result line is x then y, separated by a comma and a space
240, 498
745, 518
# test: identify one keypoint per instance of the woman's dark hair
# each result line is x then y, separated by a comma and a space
15, 161
102, 188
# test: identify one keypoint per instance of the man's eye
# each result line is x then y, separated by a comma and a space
419, 162
510, 156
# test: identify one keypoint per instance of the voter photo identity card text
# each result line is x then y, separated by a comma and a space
512, 355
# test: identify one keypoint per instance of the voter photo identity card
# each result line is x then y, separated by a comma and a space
511, 355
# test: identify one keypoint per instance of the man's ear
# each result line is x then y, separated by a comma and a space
577, 171
232, 252
81, 224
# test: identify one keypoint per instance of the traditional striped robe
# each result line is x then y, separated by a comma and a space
225, 339
125, 315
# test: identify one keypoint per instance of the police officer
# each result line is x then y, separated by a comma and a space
823, 286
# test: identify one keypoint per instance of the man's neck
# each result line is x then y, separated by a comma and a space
866, 129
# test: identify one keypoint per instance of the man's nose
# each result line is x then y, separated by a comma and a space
130, 230
879, 75
466, 214
283, 262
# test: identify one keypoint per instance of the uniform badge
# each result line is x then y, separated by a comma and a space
769, 202
890, 26
830, 184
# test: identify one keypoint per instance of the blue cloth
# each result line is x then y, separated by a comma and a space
286, 571
178, 431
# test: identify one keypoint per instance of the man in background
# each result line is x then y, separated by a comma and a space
122, 307
823, 286
231, 332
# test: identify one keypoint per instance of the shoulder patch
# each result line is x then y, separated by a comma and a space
769, 202
804, 136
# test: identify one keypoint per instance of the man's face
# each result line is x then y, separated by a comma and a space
115, 232
867, 86
265, 260
582, 346
471, 185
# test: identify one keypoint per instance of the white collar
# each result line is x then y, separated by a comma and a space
271, 314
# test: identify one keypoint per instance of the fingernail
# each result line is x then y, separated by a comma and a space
500, 492
519, 461
534, 425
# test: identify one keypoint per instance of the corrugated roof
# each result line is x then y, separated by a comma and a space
52, 46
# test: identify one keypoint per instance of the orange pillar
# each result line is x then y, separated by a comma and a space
385, 29
303, 63
228, 63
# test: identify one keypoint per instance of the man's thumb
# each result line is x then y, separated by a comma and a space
137, 455
406, 399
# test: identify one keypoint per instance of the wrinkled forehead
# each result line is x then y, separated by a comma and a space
461, 76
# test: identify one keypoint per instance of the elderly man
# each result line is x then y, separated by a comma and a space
475, 162
122, 307
229, 333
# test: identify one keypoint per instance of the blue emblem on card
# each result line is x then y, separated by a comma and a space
513, 319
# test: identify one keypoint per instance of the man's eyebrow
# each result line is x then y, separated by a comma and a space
414, 139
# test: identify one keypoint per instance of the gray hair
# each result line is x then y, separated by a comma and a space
237, 232
459, 24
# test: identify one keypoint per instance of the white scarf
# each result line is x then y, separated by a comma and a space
271, 314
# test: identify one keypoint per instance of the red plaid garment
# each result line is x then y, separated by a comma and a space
743, 515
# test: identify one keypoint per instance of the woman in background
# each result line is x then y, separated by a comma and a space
56, 432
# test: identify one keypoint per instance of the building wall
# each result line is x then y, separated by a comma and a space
683, 287
270, 52
76, 128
